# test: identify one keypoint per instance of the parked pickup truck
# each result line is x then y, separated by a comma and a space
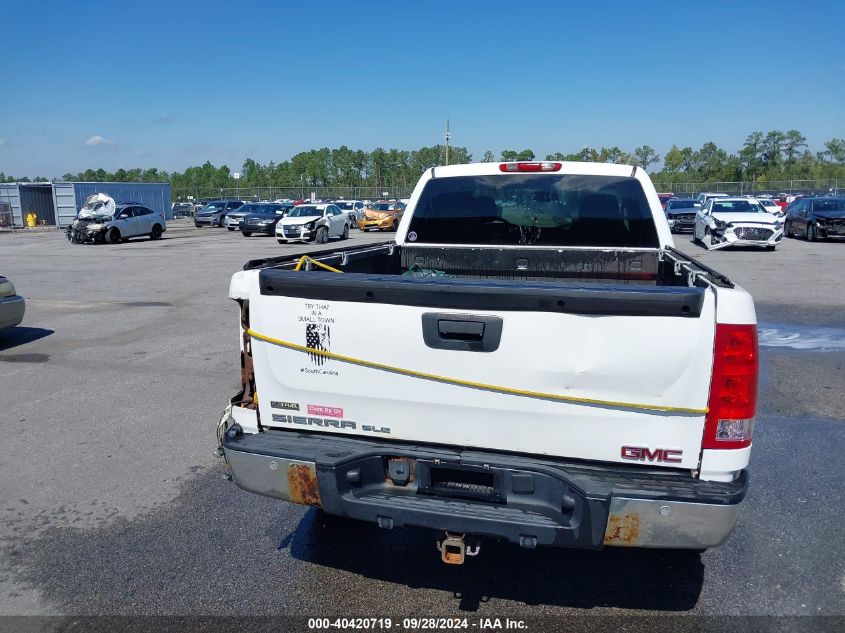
530, 359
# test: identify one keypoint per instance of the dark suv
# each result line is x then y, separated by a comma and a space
212, 213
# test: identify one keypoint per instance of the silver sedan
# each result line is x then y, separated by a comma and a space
12, 306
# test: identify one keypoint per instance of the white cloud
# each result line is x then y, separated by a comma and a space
2, 142
165, 117
140, 152
97, 140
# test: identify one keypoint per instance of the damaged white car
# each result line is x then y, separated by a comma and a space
101, 219
724, 222
316, 222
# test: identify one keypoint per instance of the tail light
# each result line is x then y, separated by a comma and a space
733, 388
543, 166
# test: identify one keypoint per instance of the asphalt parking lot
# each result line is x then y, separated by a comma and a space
111, 501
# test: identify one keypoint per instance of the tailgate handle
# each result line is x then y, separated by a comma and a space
462, 332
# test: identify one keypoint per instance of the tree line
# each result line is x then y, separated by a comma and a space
773, 156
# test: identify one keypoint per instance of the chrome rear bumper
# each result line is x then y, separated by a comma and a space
524, 500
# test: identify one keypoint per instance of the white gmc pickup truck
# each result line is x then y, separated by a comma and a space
531, 359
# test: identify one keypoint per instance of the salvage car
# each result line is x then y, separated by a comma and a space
102, 220
213, 213
262, 218
816, 218
353, 208
570, 381
681, 214
704, 197
382, 215
232, 220
724, 222
771, 206
664, 198
313, 222
182, 209
12, 305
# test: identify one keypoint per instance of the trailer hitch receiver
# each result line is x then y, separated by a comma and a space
454, 548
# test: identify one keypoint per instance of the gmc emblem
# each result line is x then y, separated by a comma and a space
642, 454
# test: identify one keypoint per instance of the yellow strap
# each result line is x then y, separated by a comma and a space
305, 258
474, 385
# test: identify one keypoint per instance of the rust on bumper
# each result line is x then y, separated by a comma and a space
622, 529
302, 483
668, 524
286, 479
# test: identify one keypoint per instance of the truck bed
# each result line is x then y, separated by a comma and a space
571, 280
654, 267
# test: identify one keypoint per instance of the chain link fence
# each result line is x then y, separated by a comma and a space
819, 187
291, 193
773, 187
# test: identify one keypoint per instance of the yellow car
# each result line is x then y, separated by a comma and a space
382, 215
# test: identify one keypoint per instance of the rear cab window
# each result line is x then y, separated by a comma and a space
534, 209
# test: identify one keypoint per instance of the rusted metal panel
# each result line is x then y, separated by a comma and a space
622, 529
302, 483
247, 397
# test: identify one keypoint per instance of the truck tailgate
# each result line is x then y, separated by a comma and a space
613, 375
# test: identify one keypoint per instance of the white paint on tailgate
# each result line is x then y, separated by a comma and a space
735, 305
241, 284
661, 361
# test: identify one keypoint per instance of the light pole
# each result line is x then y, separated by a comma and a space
237, 177
447, 136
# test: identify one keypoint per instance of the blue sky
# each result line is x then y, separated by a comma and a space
171, 84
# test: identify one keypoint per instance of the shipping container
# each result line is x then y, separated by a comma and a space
58, 203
